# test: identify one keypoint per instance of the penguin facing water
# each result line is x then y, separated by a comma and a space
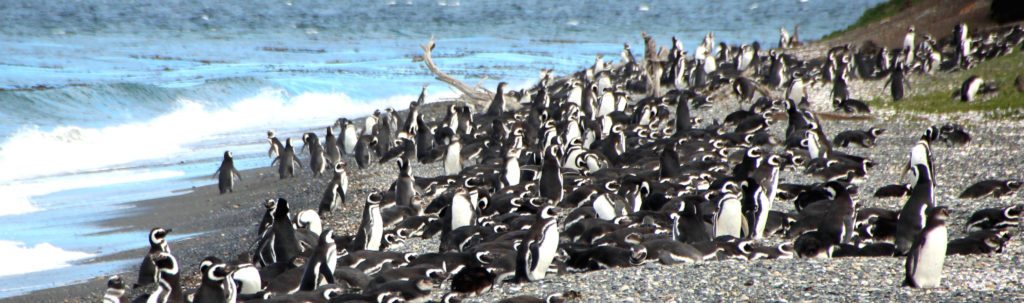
226, 174
332, 150
317, 158
287, 161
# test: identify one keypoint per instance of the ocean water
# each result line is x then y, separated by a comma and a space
111, 101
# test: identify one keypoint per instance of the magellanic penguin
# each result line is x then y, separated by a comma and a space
497, 106
371, 229
453, 156
912, 219
405, 187
226, 174
278, 242
115, 290
896, 82
927, 255
973, 86
551, 180
321, 265
364, 150
538, 249
347, 136
335, 190
332, 150
317, 160
168, 281
994, 188
215, 286
729, 220
157, 244
287, 161
275, 145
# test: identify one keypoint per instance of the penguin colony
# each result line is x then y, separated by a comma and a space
603, 169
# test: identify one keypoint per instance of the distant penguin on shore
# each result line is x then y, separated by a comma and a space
497, 106
332, 150
157, 244
226, 174
317, 160
275, 144
287, 161
347, 136
335, 190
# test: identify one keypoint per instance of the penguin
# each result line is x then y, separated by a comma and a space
912, 219
287, 161
405, 186
994, 188
851, 106
157, 244
553, 298
896, 82
168, 281
973, 86
461, 212
246, 276
347, 137
215, 286
332, 150
363, 150
551, 180
729, 220
892, 191
859, 137
777, 71
369, 123
335, 190
371, 229
453, 156
908, 45
317, 160
928, 253
538, 249
996, 218
744, 88
838, 220
115, 290
321, 265
226, 174
275, 144
669, 252
497, 106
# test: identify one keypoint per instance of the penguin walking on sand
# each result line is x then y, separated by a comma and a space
317, 159
287, 161
157, 244
347, 136
536, 252
226, 174
927, 255
371, 229
335, 190
275, 145
332, 151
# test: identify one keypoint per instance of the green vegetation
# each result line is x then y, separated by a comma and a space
934, 93
875, 14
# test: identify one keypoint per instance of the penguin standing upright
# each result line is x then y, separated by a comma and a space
497, 106
335, 190
347, 136
275, 144
168, 281
927, 255
285, 244
215, 286
331, 150
317, 160
321, 265
226, 174
405, 187
371, 228
551, 176
453, 156
911, 219
895, 82
115, 290
363, 150
287, 161
157, 244
729, 220
538, 249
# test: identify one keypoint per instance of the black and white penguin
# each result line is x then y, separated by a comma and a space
405, 187
115, 290
928, 253
538, 249
335, 190
168, 281
729, 220
371, 229
974, 86
226, 174
246, 276
215, 286
497, 106
317, 159
551, 179
777, 72
332, 150
287, 161
321, 265
912, 219
453, 156
275, 145
994, 188
892, 191
996, 218
461, 212
896, 82
851, 106
157, 244
863, 138
553, 298
347, 136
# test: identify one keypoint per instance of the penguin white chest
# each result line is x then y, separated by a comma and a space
453, 159
729, 220
376, 230
546, 252
512, 172
350, 139
462, 212
932, 256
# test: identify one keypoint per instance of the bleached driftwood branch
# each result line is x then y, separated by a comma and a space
479, 96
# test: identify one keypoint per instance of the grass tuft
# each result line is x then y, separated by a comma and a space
875, 14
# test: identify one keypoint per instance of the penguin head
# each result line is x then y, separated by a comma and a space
116, 283
638, 254
548, 212
424, 285
938, 214
340, 166
227, 154
484, 257
270, 134
158, 235
165, 263
1014, 212
374, 198
270, 205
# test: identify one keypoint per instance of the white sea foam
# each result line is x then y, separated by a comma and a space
20, 258
18, 195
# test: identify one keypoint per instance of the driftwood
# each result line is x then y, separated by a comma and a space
476, 95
